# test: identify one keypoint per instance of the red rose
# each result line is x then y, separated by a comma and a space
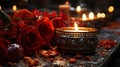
59, 22
30, 38
46, 29
24, 14
50, 15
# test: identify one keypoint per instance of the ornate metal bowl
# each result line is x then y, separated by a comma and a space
84, 42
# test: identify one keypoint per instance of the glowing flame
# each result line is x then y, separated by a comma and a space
84, 18
78, 9
98, 15
103, 15
14, 7
91, 15
111, 9
75, 26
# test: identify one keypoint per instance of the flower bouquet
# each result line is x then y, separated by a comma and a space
26, 32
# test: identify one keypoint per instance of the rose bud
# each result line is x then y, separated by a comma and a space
88, 58
72, 60
15, 52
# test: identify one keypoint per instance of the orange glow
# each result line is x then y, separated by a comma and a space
111, 9
91, 15
14, 7
66, 2
75, 26
84, 18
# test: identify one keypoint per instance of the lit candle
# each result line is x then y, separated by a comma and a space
75, 26
91, 15
84, 18
14, 8
65, 9
75, 29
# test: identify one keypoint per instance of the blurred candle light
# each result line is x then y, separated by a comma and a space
111, 9
84, 18
75, 26
91, 15
78, 9
98, 15
103, 15
14, 7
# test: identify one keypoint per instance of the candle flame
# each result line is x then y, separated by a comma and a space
14, 7
78, 9
84, 18
75, 26
91, 15
103, 15
0, 7
98, 15
111, 9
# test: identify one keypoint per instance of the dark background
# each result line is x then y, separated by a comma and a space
93, 5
